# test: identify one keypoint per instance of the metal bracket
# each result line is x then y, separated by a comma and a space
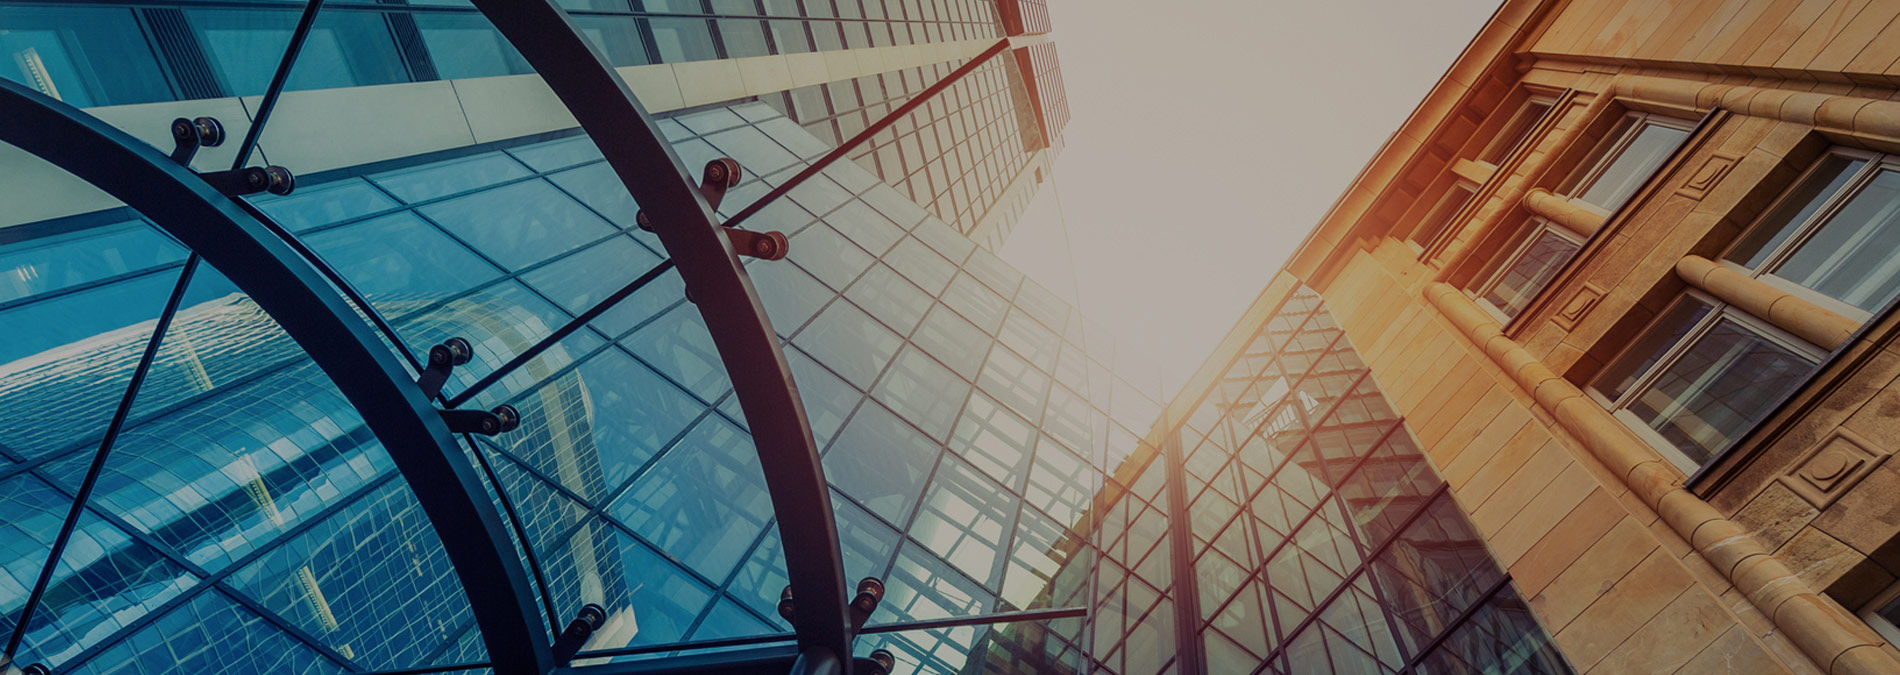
190, 134
720, 176
274, 179
870, 593
585, 622
443, 359
761, 245
884, 661
503, 419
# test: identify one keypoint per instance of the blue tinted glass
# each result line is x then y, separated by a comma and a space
953, 340
446, 178
557, 154
870, 230
923, 391
966, 519
828, 255
993, 439
753, 150
80, 55
343, 49
582, 280
464, 46
915, 260
678, 345
84, 314
43, 265
881, 461
886, 295
976, 302
324, 204
591, 427
209, 634
105, 580
704, 501
520, 224
1015, 382
828, 400
850, 342
790, 295
400, 260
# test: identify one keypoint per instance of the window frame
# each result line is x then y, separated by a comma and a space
1535, 227
1442, 228
1805, 231
1870, 613
1496, 151
1718, 310
1605, 154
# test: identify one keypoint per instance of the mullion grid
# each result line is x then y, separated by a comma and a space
1368, 550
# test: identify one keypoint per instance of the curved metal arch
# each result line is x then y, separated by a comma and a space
296, 296
613, 118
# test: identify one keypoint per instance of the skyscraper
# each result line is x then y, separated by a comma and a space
243, 518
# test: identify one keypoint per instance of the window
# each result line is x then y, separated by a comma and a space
1438, 220
1832, 238
1640, 144
1532, 264
1883, 614
1700, 376
1516, 131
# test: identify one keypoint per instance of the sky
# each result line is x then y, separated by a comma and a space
1208, 137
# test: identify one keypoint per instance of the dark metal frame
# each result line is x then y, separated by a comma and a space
294, 294
613, 118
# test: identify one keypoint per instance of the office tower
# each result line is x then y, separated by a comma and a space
246, 519
1625, 275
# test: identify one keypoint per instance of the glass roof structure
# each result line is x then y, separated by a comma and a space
446, 391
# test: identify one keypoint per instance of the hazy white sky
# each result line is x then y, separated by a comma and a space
1208, 138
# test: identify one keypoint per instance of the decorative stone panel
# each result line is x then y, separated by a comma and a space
1833, 467
1579, 306
1711, 174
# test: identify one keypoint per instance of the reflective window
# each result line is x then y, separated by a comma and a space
1701, 376
1639, 145
1525, 273
1833, 235
1438, 221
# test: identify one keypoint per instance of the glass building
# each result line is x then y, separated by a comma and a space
190, 483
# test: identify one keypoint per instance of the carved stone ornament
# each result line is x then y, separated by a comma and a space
1833, 467
1707, 177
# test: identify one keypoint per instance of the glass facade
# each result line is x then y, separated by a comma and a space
961, 419
144, 51
957, 155
1301, 531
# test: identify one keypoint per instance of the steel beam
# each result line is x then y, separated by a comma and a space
613, 118
298, 298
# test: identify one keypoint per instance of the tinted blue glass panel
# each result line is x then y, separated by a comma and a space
42, 266
592, 427
440, 179
519, 224
309, 207
678, 345
400, 260
881, 461
704, 502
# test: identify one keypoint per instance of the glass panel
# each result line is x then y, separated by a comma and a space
1649, 145
344, 49
1796, 208
1662, 335
1851, 258
85, 56
1719, 386
1525, 276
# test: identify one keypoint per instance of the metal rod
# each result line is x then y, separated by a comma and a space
277, 82
99, 459
559, 335
955, 622
514, 520
902, 110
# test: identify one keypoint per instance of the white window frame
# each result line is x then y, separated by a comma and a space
1718, 310
1496, 150
1870, 613
1537, 227
1805, 231
1606, 154
1444, 228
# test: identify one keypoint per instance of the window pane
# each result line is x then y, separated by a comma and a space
743, 38
466, 46
683, 40
1631, 167
344, 49
1514, 133
1524, 276
1724, 382
1435, 222
83, 56
1851, 258
1662, 335
1795, 210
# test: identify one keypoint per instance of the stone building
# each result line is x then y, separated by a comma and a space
1628, 273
